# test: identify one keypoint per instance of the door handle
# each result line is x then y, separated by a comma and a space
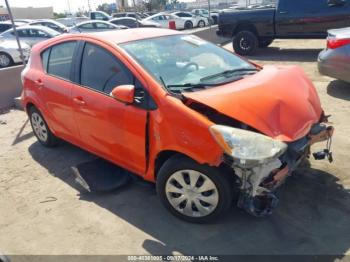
79, 101
39, 83
283, 12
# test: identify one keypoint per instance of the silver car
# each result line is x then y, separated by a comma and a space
335, 60
9, 52
94, 26
30, 34
57, 26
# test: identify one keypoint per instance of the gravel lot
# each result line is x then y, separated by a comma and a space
43, 211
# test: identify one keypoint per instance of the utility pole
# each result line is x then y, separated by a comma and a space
16, 33
69, 8
209, 18
89, 5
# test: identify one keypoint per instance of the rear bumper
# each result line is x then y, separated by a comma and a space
335, 64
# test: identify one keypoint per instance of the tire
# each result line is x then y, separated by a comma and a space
245, 43
207, 184
41, 129
201, 23
263, 43
188, 25
5, 60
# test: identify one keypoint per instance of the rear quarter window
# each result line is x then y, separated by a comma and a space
60, 59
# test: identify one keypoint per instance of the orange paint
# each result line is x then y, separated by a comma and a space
279, 102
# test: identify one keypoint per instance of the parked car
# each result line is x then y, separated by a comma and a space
164, 18
197, 21
334, 61
9, 53
57, 26
204, 12
131, 22
95, 26
8, 25
72, 21
254, 28
135, 15
181, 112
23, 21
30, 34
99, 15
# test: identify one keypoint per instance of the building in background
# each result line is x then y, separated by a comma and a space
27, 12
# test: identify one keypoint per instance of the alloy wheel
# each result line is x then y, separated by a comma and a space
4, 60
192, 193
39, 127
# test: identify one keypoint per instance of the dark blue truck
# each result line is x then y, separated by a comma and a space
289, 19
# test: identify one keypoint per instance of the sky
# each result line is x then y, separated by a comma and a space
58, 5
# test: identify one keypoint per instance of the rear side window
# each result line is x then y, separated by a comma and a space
100, 70
60, 60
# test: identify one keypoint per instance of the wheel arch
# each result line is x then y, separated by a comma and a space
162, 157
245, 26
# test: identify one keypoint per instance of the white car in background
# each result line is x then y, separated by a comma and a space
197, 21
94, 26
30, 34
9, 52
163, 19
72, 21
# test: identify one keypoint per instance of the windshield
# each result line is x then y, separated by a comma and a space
187, 60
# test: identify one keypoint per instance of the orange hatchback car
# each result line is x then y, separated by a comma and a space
176, 110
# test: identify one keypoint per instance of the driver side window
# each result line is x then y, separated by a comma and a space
101, 71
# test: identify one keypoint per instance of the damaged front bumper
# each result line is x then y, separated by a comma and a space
258, 183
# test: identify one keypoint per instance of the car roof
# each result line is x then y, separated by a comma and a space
92, 21
124, 36
123, 18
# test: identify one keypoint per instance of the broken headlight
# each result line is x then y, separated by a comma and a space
246, 147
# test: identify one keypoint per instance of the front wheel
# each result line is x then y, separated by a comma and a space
245, 42
201, 23
194, 192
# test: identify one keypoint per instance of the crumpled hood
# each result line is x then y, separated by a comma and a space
280, 102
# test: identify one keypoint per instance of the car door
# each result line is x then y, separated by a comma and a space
290, 16
108, 127
54, 87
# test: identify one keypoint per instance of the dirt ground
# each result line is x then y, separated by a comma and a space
43, 211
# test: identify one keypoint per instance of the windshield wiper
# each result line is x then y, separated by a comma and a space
229, 73
188, 86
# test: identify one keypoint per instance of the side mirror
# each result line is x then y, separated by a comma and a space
124, 93
336, 2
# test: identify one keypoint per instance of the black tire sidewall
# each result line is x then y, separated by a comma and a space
188, 25
51, 138
220, 179
252, 39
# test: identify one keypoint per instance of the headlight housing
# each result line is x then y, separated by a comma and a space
246, 147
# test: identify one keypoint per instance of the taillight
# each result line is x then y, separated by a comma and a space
334, 43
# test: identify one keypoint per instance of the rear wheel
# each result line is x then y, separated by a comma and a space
41, 129
188, 25
194, 192
245, 42
5, 60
